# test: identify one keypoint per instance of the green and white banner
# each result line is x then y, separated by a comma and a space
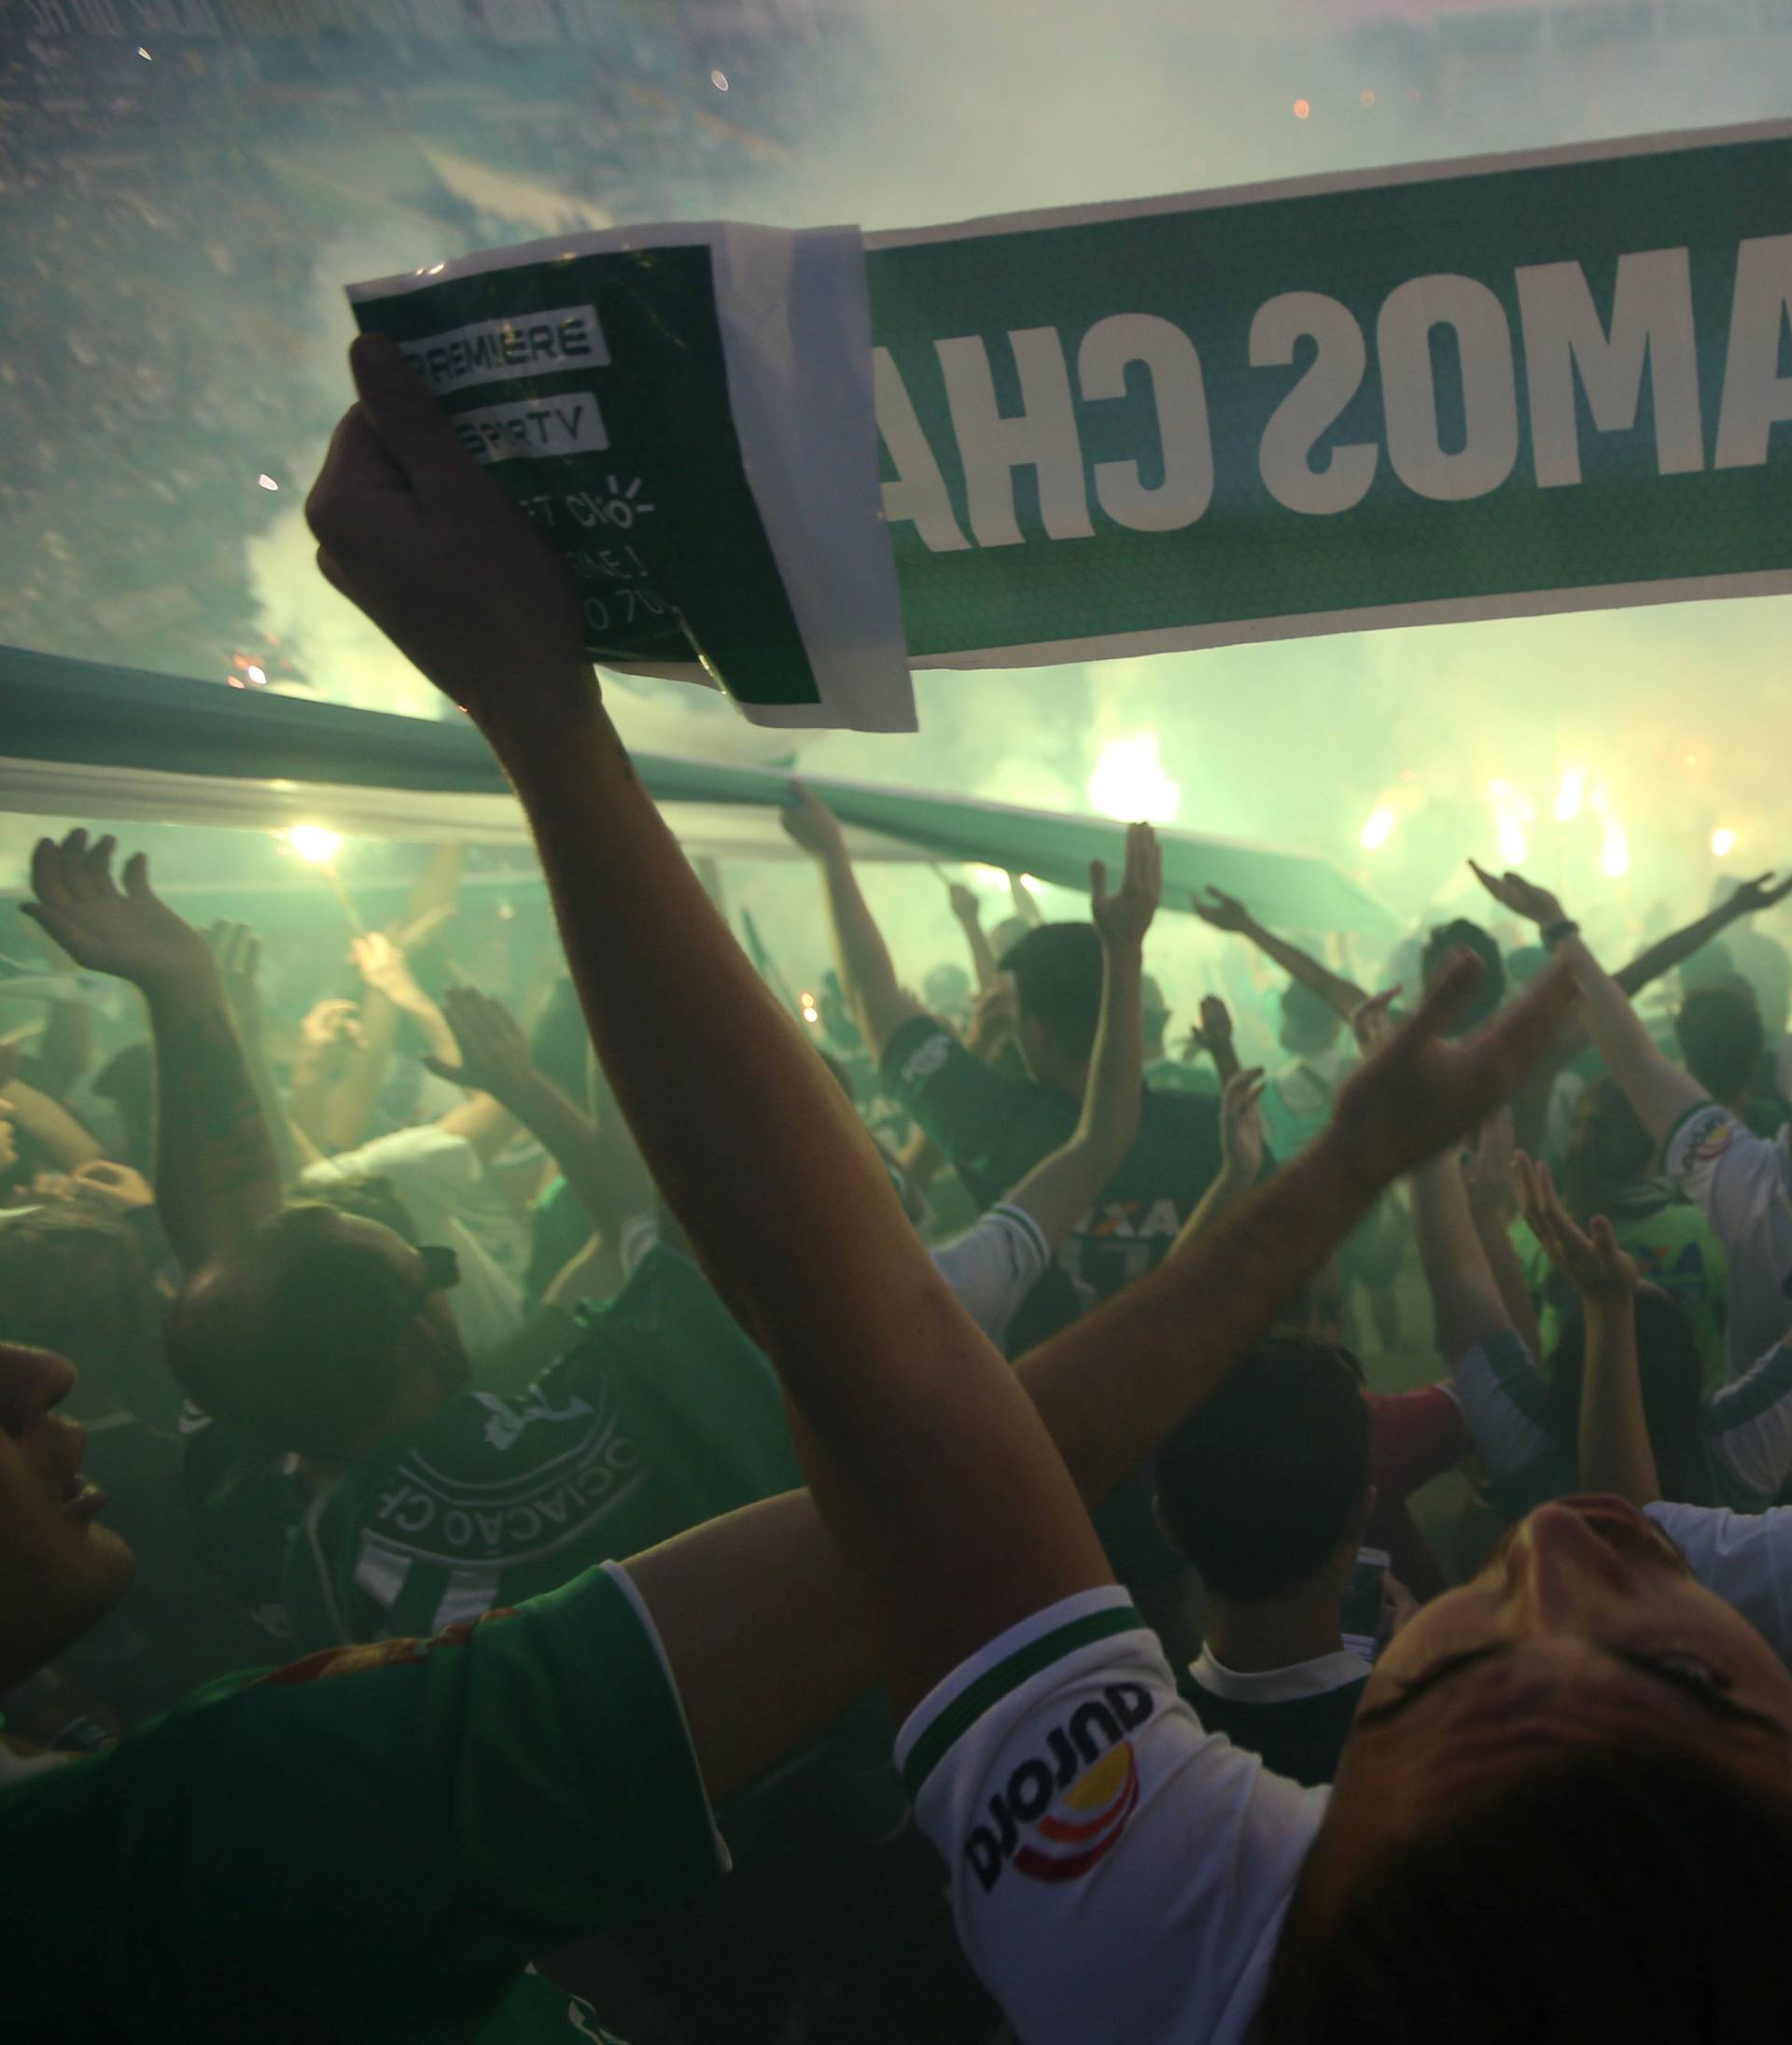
1486, 388
687, 411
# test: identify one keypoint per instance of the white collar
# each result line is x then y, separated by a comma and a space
1299, 1679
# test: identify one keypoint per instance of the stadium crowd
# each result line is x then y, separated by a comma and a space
511, 1533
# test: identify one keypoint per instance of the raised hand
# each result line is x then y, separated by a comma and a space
126, 930
495, 1055
1762, 893
1241, 1126
1488, 1170
1421, 1092
1522, 897
416, 532
333, 1025
1122, 918
1589, 1259
1223, 912
1373, 1025
808, 822
965, 905
1212, 1034
385, 969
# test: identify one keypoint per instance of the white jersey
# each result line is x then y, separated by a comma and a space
1744, 1557
1119, 1877
993, 1265
1739, 1180
453, 1202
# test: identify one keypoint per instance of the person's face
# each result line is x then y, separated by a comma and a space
1584, 1630
61, 1572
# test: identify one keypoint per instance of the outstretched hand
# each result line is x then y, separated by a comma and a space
963, 899
494, 1054
1223, 912
1589, 1259
1421, 1091
126, 930
412, 528
1522, 897
1762, 893
1122, 918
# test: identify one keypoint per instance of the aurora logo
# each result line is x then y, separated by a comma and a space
1063, 1810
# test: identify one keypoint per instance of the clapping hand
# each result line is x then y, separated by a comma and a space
1420, 1091
1122, 918
1589, 1259
494, 1054
126, 930
1223, 912
1752, 896
1522, 897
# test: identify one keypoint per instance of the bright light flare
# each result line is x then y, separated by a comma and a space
1571, 794
988, 876
1723, 843
1615, 853
1514, 847
314, 844
720, 80
1379, 830
811, 1013
266, 480
1129, 782
1302, 108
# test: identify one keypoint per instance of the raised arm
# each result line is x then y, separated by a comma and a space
929, 1461
238, 952
1241, 1156
1615, 1454
1749, 899
1214, 1035
968, 915
1660, 1091
1061, 1188
1223, 913
494, 1061
216, 1176
862, 957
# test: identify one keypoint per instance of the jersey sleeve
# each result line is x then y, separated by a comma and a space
1748, 1424
978, 1117
1735, 1177
1118, 1874
993, 1266
1506, 1405
1744, 1557
379, 1838
429, 1155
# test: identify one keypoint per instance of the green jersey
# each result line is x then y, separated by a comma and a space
368, 1845
660, 1416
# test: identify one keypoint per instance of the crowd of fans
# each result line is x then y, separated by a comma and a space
627, 1521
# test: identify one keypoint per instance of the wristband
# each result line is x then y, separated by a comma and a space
1559, 934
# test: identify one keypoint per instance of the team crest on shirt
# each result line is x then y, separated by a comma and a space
927, 1058
1715, 1141
1064, 1808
